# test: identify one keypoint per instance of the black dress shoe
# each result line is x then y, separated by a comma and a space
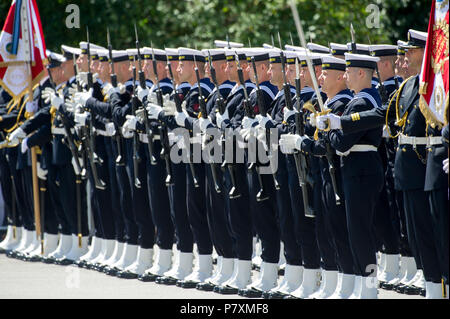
80, 263
112, 271
252, 293
278, 295
266, 294
226, 290
205, 286
148, 277
65, 262
35, 258
400, 288
125, 274
387, 286
3, 251
188, 284
11, 254
48, 260
423, 292
412, 290
170, 281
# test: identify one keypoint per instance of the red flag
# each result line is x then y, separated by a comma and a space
434, 74
22, 47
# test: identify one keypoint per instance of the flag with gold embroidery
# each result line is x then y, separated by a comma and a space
434, 74
22, 48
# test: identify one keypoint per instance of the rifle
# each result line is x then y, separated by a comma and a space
165, 152
90, 135
136, 158
234, 193
262, 193
79, 173
263, 111
120, 160
201, 101
299, 158
143, 85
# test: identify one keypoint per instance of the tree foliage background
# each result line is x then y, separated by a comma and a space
174, 23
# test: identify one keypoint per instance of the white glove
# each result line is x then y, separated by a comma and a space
126, 133
110, 129
203, 124
16, 135
313, 120
81, 118
248, 122
263, 120
73, 89
246, 133
180, 118
24, 145
385, 132
142, 93
31, 107
153, 111
130, 123
220, 118
334, 120
82, 97
169, 107
288, 113
53, 98
290, 142
82, 77
46, 94
41, 173
152, 98
109, 90
445, 165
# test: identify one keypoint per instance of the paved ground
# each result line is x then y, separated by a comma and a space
27, 280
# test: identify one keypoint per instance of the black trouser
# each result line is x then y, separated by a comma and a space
292, 250
384, 227
55, 188
196, 208
66, 177
239, 212
179, 211
26, 188
217, 210
361, 194
420, 230
304, 227
7, 191
439, 212
264, 216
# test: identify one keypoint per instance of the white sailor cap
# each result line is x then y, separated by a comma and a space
54, 59
103, 55
260, 54
226, 44
360, 48
293, 48
317, 48
416, 39
187, 54
120, 55
92, 46
383, 50
132, 54
290, 56
231, 54
172, 54
69, 52
274, 55
316, 58
216, 54
338, 49
361, 61
401, 47
330, 62
94, 54
147, 54
269, 46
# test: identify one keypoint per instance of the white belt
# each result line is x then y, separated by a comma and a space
413, 140
143, 138
358, 148
60, 131
196, 139
103, 133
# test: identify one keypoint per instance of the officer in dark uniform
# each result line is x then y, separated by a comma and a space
403, 109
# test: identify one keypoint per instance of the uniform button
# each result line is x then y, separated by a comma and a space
401, 106
409, 122
403, 149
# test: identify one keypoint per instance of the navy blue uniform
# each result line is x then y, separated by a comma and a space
334, 215
362, 174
